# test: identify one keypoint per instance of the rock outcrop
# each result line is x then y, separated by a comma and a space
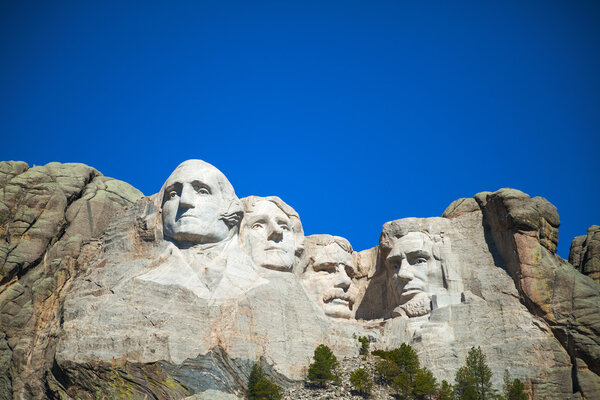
105, 293
525, 232
51, 219
585, 253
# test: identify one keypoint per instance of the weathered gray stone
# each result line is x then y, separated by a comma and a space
525, 231
486, 313
459, 207
585, 253
100, 297
48, 214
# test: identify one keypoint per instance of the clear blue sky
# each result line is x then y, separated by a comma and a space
354, 113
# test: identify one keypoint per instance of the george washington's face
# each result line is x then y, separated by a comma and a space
194, 203
267, 234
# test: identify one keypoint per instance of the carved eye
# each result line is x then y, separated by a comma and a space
172, 194
419, 261
284, 227
200, 189
257, 225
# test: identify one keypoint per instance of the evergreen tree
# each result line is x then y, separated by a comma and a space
446, 391
516, 391
399, 367
364, 345
425, 385
323, 369
386, 371
473, 380
260, 387
403, 385
361, 381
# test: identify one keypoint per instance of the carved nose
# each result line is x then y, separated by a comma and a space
275, 233
405, 273
187, 197
342, 280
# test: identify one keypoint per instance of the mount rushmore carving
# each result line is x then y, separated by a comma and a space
189, 287
209, 225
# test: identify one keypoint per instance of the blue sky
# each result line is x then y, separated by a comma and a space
354, 113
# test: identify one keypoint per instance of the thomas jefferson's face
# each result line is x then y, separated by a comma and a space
328, 282
267, 234
193, 204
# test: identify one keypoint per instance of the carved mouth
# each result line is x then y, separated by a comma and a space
187, 216
340, 302
339, 299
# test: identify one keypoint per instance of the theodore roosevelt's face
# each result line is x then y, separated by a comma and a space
193, 204
267, 234
327, 280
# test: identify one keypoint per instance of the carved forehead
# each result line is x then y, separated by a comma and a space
331, 254
266, 208
414, 241
192, 170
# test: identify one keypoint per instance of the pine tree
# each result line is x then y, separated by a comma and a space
446, 391
361, 381
364, 345
386, 371
425, 385
516, 391
323, 369
473, 380
260, 387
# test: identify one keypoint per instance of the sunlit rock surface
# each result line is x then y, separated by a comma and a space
104, 292
585, 253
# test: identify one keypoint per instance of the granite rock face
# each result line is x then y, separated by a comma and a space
525, 232
585, 253
105, 293
51, 218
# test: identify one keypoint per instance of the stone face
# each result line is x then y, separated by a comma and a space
477, 304
271, 233
105, 293
326, 276
585, 253
199, 205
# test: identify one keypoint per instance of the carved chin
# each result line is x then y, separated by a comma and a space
417, 306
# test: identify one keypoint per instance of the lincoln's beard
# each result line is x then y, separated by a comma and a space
415, 307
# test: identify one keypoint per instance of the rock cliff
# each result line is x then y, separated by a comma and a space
585, 253
105, 293
51, 221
